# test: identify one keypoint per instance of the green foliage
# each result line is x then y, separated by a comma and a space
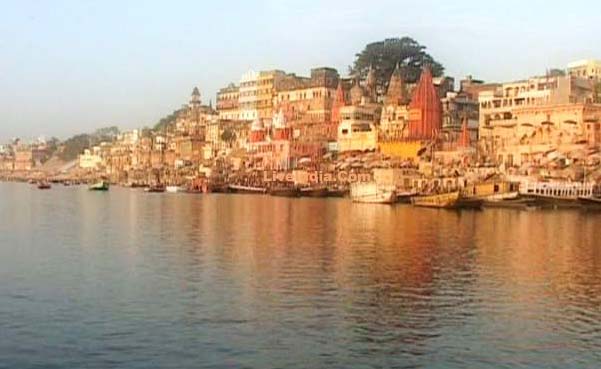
556, 72
384, 55
74, 146
167, 121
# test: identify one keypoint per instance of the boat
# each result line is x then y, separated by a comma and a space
99, 186
155, 188
338, 192
590, 203
44, 185
449, 200
371, 193
173, 189
284, 191
404, 197
516, 203
557, 194
246, 189
314, 191
66, 183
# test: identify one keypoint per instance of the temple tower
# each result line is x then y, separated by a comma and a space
425, 109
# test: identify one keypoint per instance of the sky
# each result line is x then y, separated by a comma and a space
69, 67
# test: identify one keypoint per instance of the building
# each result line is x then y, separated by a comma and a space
425, 109
91, 159
589, 69
505, 111
357, 130
247, 96
395, 112
228, 102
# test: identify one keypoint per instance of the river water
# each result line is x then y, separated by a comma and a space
127, 279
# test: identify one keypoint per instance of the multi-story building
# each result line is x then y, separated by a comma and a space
228, 102
268, 83
520, 121
247, 96
589, 68
503, 111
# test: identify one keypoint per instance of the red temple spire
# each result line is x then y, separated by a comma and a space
464, 139
339, 102
425, 109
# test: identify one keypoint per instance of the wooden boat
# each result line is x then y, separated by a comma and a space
314, 191
517, 203
44, 185
371, 193
99, 186
246, 189
449, 200
590, 203
156, 188
338, 192
284, 191
405, 197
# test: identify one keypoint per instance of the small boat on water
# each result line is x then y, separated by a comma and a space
314, 191
174, 189
100, 186
590, 203
155, 188
284, 191
449, 200
371, 193
246, 189
44, 185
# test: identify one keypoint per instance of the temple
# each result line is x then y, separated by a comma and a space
425, 109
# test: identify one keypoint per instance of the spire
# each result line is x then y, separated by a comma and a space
425, 108
464, 139
396, 93
339, 102
195, 91
357, 92
195, 98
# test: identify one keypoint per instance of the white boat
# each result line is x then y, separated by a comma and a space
371, 193
173, 189
558, 193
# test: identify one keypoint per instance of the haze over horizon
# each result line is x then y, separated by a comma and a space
69, 67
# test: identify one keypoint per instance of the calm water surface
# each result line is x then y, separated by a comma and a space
126, 279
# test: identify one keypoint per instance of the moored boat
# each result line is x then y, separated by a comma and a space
557, 194
173, 189
371, 193
284, 191
449, 200
246, 189
338, 191
155, 188
404, 197
590, 203
314, 191
99, 186
516, 203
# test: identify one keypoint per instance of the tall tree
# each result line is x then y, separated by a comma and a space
383, 56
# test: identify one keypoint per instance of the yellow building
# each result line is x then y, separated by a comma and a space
589, 68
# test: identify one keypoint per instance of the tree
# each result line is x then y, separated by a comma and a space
228, 136
383, 56
167, 121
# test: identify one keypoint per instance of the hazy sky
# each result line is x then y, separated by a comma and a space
73, 66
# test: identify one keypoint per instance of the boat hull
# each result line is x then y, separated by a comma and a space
314, 192
246, 189
451, 200
590, 203
284, 192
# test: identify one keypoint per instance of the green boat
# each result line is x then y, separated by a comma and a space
100, 186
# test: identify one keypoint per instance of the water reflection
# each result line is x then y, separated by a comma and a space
145, 280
